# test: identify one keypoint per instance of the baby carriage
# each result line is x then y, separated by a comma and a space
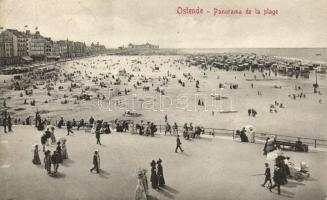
301, 173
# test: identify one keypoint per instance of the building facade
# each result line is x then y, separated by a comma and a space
16, 46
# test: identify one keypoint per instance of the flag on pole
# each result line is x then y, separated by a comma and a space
36, 28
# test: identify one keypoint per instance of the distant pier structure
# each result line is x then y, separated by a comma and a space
141, 46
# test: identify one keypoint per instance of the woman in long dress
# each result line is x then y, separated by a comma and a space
64, 153
36, 159
161, 179
154, 178
145, 182
52, 136
47, 161
139, 191
58, 149
93, 128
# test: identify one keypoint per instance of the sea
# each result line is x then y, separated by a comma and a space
315, 55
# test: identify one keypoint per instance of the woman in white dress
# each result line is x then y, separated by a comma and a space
93, 128
140, 190
131, 128
64, 153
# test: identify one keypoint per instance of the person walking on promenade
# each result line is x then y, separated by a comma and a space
64, 153
161, 179
140, 191
59, 152
80, 124
69, 128
5, 124
47, 161
168, 128
9, 123
43, 141
48, 136
178, 144
154, 177
96, 162
166, 118
267, 176
97, 135
36, 158
175, 128
52, 136
277, 179
55, 161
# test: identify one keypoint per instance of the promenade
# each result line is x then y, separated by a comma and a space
212, 167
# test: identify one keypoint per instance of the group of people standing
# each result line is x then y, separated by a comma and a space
157, 180
157, 177
252, 112
57, 155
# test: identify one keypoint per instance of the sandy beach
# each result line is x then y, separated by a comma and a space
300, 117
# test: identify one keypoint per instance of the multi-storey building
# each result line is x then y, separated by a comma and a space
37, 45
18, 47
13, 43
63, 48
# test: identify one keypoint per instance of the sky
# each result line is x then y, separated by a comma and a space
299, 23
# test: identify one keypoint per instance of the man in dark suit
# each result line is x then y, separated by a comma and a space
96, 162
277, 179
268, 175
178, 144
4, 121
97, 135
9, 123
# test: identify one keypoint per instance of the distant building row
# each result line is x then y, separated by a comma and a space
17, 47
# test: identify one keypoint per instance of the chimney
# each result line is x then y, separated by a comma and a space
37, 33
28, 32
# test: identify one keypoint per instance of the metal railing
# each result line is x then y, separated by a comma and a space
313, 142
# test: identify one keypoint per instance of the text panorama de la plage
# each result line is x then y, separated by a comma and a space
180, 10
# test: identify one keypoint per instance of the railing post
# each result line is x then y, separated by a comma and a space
213, 131
160, 128
233, 134
315, 143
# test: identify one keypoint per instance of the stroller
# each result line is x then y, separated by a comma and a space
299, 174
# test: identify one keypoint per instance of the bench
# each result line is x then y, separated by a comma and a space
293, 146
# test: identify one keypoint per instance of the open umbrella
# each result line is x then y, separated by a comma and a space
249, 128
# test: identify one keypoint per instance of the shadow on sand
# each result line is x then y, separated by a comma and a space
150, 197
67, 162
287, 194
311, 179
205, 138
57, 175
104, 174
170, 189
184, 154
166, 194
291, 184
